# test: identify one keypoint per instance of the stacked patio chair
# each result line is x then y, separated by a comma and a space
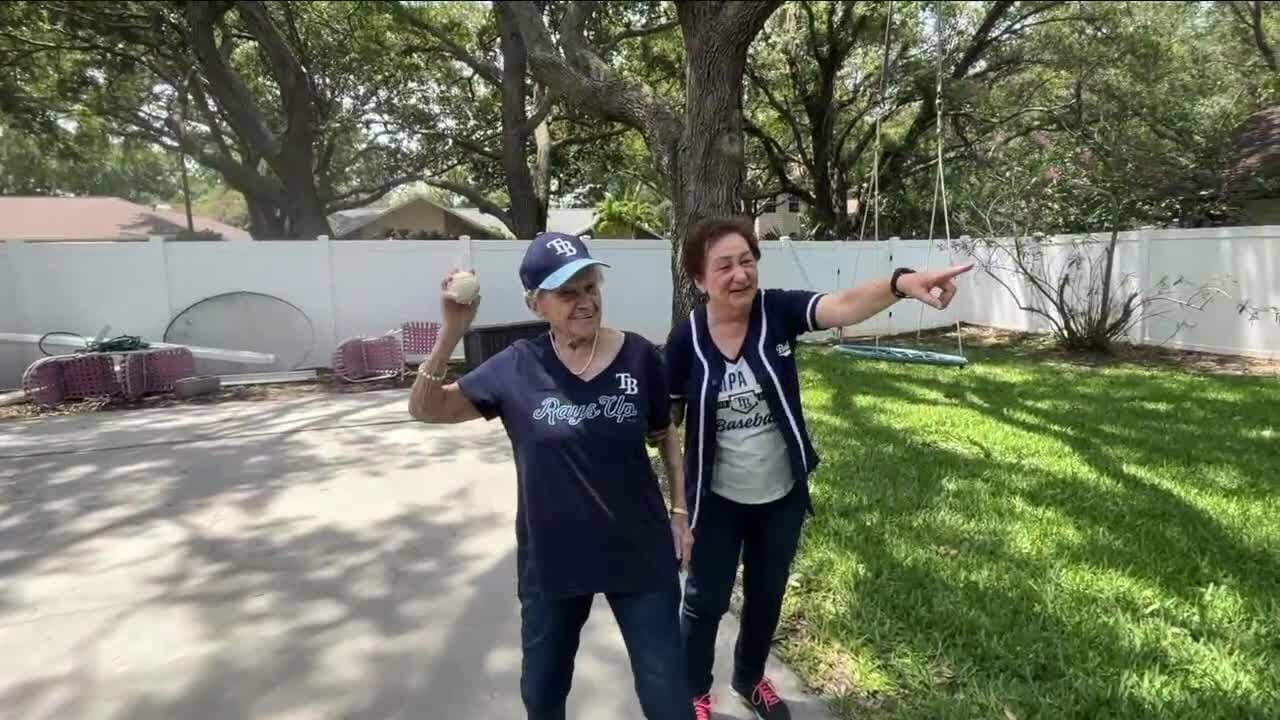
56, 379
155, 371
366, 359
51, 381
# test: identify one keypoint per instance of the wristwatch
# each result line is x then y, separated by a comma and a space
893, 284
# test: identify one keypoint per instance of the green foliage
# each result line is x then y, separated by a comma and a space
1152, 106
83, 162
212, 199
291, 148
618, 217
1069, 107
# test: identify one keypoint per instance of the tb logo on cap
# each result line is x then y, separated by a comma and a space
562, 247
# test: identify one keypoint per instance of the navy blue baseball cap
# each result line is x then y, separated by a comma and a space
553, 258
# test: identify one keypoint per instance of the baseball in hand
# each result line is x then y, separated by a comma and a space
463, 287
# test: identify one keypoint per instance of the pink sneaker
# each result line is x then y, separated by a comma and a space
764, 700
702, 708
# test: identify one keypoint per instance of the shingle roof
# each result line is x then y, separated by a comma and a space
570, 221
96, 218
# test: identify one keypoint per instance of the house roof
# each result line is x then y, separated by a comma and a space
97, 218
345, 222
476, 216
1256, 152
569, 221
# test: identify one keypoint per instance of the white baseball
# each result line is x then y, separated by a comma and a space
464, 287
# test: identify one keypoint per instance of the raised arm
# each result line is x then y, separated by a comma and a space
430, 400
852, 306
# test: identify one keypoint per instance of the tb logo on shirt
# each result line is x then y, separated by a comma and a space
627, 383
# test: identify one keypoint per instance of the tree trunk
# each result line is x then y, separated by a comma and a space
542, 169
822, 128
265, 221
290, 154
306, 218
844, 227
824, 209
700, 154
528, 216
708, 168
543, 147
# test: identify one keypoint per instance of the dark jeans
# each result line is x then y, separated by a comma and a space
766, 537
650, 627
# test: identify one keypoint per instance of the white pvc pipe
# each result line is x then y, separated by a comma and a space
284, 376
244, 356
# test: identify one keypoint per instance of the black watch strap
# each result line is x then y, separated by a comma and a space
893, 284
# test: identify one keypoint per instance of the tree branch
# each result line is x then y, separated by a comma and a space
540, 113
745, 19
484, 69
784, 112
481, 201
777, 161
588, 139
363, 195
582, 79
811, 21
630, 33
1260, 38
291, 77
478, 149
232, 94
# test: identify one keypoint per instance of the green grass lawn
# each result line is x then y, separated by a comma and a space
1024, 538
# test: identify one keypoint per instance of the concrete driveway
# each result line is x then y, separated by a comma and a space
310, 558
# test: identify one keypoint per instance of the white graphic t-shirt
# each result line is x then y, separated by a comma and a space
751, 455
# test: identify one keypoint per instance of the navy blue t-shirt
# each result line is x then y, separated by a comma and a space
590, 517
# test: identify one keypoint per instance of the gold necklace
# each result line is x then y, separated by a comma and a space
595, 339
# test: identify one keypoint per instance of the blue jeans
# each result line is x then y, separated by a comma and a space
650, 624
766, 537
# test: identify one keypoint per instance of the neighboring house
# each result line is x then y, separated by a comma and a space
781, 215
102, 218
1253, 175
571, 221
415, 219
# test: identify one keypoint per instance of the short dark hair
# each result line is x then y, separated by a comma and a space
706, 232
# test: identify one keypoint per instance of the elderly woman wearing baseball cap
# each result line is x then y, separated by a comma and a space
579, 405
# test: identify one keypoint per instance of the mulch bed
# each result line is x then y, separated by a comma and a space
1042, 347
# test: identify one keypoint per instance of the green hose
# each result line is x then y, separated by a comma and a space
122, 343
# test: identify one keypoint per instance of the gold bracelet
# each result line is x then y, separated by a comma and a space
679, 511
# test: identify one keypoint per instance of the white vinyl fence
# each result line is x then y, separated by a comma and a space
342, 289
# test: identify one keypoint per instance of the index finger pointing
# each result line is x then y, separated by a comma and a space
955, 270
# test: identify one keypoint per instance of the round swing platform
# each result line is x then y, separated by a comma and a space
902, 355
